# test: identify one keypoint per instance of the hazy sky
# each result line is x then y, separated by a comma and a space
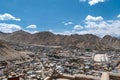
99, 17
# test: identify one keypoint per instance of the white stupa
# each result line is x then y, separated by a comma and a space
101, 58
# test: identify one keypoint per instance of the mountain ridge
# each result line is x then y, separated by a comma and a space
74, 40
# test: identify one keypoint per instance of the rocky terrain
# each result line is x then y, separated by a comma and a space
73, 41
7, 53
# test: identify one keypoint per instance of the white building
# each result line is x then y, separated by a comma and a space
101, 58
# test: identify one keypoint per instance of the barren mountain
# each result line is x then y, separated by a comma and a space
18, 36
7, 53
75, 40
110, 42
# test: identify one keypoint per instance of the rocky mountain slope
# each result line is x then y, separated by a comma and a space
110, 42
7, 53
75, 40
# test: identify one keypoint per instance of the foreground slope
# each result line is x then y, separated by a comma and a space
7, 53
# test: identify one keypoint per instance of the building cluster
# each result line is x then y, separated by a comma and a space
42, 62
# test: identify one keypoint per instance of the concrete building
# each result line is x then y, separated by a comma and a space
101, 58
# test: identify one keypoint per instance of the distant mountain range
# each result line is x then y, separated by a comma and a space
1, 32
73, 41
